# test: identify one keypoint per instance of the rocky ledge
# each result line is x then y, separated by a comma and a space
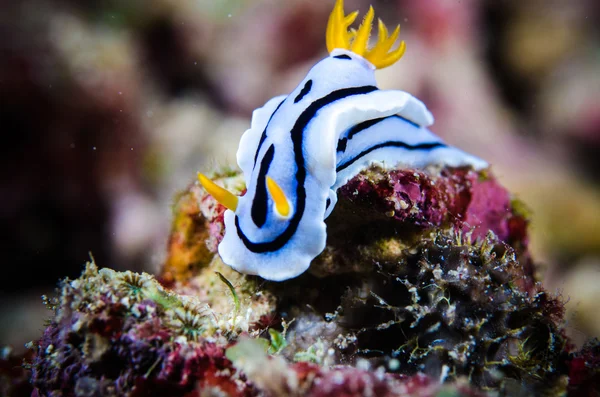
426, 288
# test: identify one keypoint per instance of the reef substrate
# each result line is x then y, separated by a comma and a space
426, 288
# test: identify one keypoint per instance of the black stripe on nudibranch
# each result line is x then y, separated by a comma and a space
364, 125
297, 134
341, 146
260, 202
264, 133
407, 120
342, 143
398, 144
305, 90
343, 56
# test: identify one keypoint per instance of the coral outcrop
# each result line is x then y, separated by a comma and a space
425, 288
117, 334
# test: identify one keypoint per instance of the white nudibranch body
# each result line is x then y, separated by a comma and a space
312, 141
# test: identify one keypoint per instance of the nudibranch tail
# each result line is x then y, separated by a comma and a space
282, 204
338, 36
223, 196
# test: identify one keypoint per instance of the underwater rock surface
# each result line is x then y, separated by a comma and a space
425, 288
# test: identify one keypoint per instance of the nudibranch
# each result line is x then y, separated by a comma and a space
301, 147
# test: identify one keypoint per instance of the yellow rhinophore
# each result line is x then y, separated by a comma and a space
338, 36
223, 196
282, 204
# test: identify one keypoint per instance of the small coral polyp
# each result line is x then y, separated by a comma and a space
302, 147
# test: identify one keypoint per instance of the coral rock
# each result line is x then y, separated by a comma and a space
425, 288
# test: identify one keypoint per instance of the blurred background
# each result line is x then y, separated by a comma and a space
109, 108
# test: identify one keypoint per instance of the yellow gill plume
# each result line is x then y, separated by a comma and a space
361, 40
223, 196
337, 27
338, 36
282, 204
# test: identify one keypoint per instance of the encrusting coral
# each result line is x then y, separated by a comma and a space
420, 291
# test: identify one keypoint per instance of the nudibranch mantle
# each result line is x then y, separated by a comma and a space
301, 147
